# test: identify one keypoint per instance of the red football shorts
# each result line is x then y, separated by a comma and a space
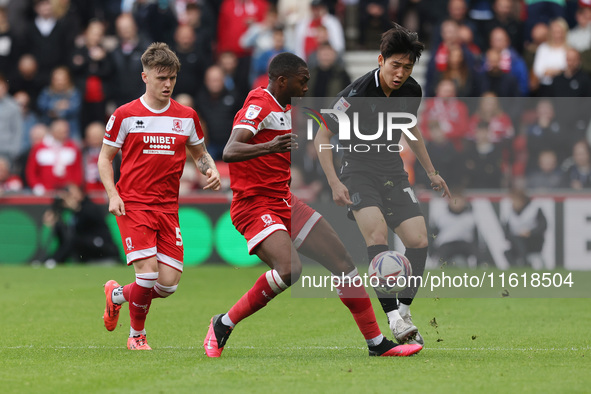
151, 233
258, 217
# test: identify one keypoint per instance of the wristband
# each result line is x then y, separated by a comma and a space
433, 173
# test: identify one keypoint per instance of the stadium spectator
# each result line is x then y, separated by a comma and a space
290, 13
547, 175
37, 134
504, 18
11, 123
61, 100
93, 141
29, 117
525, 229
233, 20
579, 37
578, 171
457, 11
48, 39
576, 83
235, 76
374, 16
450, 113
306, 33
455, 238
55, 162
9, 182
91, 67
468, 80
542, 11
201, 17
573, 81
27, 78
510, 62
216, 106
8, 45
145, 199
550, 59
495, 80
259, 38
261, 65
190, 78
80, 228
329, 76
483, 161
125, 84
156, 21
539, 35
439, 61
546, 133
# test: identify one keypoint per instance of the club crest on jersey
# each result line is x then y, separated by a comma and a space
129, 244
253, 111
267, 219
177, 125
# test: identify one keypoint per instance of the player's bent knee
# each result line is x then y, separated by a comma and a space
164, 291
290, 273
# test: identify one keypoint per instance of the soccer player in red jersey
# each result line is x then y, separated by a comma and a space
153, 133
274, 222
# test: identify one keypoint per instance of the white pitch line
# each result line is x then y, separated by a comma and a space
447, 349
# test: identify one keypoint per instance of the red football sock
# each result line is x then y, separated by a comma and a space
357, 300
264, 290
140, 298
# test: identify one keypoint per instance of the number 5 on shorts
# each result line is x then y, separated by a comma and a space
179, 240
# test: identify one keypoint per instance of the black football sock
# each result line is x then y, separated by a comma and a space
417, 259
388, 302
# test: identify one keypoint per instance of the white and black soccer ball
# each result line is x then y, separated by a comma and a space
392, 270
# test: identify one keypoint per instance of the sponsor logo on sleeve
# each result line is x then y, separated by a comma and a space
247, 121
253, 111
110, 124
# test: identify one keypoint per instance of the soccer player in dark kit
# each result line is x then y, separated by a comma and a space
372, 182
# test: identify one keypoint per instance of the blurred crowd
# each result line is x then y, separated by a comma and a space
65, 65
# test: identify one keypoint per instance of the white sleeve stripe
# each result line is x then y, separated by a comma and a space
196, 143
239, 126
111, 143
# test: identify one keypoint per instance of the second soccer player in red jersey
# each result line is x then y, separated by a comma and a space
274, 222
152, 133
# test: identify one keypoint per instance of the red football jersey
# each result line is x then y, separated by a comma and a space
152, 144
266, 175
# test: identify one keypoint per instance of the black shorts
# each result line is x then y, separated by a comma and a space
394, 197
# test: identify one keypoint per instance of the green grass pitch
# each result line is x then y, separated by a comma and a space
52, 340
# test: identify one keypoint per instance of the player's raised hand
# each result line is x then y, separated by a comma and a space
116, 205
283, 143
213, 180
340, 194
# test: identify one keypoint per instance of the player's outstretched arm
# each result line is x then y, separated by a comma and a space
340, 193
206, 166
420, 151
105, 167
238, 148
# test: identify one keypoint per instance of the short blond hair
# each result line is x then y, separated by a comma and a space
159, 56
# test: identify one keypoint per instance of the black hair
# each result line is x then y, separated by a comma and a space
400, 40
285, 64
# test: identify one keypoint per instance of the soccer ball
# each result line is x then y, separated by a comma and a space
392, 270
